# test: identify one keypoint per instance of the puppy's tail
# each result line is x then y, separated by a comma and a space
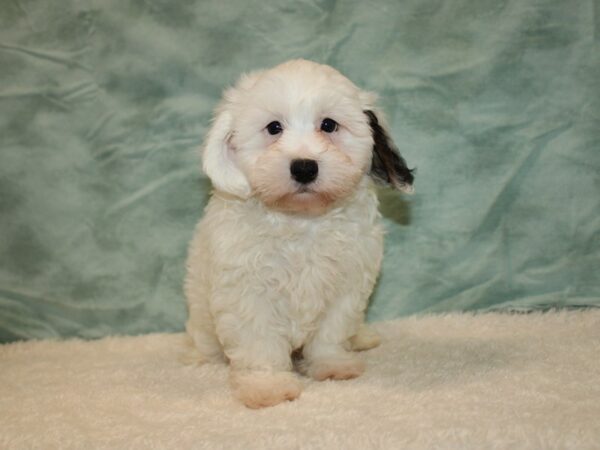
365, 339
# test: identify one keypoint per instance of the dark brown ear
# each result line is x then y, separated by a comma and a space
388, 166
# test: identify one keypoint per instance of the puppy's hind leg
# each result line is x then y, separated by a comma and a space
365, 339
200, 344
200, 348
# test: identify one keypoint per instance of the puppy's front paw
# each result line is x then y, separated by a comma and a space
336, 369
262, 389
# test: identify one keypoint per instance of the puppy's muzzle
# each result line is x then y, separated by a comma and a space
304, 170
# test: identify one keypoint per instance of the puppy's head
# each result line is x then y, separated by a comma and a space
299, 137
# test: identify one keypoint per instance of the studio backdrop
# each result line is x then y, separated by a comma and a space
104, 104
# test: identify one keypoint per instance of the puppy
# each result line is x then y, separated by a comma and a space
289, 248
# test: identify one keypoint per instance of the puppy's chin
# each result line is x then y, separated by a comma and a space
304, 201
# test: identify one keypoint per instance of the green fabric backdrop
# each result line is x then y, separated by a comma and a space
103, 105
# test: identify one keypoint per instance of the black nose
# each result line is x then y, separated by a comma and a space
304, 170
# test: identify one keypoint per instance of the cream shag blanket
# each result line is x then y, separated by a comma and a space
454, 381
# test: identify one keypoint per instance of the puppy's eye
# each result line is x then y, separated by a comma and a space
274, 128
329, 125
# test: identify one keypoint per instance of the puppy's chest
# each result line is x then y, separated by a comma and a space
310, 266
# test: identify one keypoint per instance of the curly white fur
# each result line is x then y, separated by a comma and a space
276, 266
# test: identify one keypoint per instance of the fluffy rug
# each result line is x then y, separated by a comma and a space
453, 381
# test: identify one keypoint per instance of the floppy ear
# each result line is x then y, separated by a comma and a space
218, 159
388, 166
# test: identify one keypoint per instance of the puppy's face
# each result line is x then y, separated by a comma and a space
299, 137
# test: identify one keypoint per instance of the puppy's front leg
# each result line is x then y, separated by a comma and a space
260, 363
328, 353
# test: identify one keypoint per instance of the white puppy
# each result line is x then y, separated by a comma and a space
290, 246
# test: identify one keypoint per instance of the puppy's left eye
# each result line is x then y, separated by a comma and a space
329, 125
274, 128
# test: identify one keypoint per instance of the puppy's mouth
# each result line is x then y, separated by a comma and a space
309, 194
304, 190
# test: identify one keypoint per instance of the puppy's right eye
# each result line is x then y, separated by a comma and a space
274, 128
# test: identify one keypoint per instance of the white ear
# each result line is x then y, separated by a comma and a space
218, 158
